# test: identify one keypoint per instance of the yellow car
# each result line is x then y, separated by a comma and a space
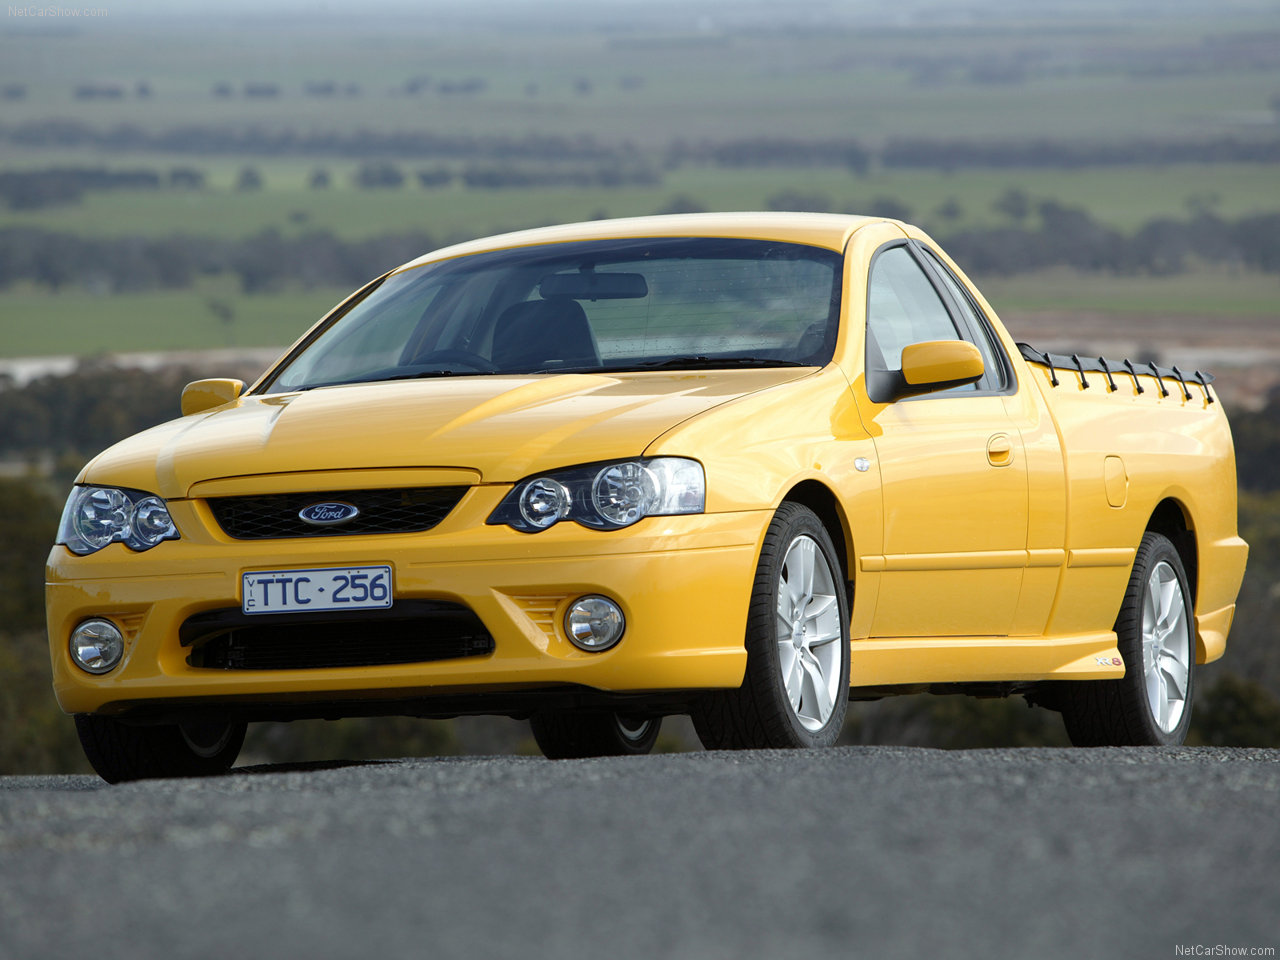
742, 466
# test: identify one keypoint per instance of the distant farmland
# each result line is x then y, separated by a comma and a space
504, 117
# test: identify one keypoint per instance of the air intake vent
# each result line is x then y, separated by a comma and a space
413, 631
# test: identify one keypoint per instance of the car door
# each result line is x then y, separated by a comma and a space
953, 474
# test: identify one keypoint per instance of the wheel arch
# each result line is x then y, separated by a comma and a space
1172, 519
819, 498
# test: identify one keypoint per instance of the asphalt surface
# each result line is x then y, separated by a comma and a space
850, 852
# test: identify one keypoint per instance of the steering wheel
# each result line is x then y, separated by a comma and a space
465, 357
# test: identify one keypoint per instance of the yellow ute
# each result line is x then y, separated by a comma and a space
742, 466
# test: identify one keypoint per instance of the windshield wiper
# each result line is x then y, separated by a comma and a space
701, 361
428, 374
422, 375
688, 362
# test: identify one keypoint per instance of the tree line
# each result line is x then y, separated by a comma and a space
75, 415
57, 261
845, 152
920, 153
277, 140
1063, 237
1069, 237
385, 174
31, 189
35, 189
949, 154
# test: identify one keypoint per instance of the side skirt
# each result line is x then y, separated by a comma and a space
927, 660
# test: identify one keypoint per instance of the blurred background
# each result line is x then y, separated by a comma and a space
185, 187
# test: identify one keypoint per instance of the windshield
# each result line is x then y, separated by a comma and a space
585, 307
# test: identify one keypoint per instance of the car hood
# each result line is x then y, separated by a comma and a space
502, 427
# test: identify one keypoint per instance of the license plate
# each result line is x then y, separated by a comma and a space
327, 588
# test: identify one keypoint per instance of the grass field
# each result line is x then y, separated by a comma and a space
44, 324
637, 78
1122, 198
649, 75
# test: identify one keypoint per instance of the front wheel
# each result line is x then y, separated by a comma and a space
796, 689
119, 751
568, 735
1151, 704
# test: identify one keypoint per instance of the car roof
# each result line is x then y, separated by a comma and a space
828, 230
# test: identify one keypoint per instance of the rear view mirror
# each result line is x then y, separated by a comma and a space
588, 285
207, 394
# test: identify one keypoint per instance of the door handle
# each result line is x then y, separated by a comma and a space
1000, 450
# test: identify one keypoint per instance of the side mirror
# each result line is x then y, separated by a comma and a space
207, 394
939, 365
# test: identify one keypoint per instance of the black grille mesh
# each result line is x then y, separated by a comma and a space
275, 516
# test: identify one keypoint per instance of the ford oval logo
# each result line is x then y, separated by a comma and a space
329, 513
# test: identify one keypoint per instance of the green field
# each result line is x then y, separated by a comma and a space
635, 79
45, 324
1122, 198
670, 70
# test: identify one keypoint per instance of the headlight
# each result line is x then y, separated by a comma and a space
605, 496
97, 516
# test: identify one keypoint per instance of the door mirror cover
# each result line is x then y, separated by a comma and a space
201, 395
939, 365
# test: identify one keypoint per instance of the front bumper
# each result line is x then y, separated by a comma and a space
683, 583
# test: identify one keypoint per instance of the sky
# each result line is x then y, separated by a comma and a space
922, 12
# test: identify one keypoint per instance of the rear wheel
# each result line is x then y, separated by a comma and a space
567, 735
1151, 704
796, 689
119, 751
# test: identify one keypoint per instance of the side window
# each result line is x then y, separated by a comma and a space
997, 377
903, 308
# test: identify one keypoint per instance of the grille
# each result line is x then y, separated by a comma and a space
410, 632
276, 517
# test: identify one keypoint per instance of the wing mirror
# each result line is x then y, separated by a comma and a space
206, 394
938, 365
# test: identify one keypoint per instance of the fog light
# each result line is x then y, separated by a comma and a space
594, 623
97, 646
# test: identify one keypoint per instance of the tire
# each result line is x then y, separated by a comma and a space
1151, 704
118, 751
571, 735
796, 689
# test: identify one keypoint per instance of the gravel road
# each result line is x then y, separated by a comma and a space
850, 852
